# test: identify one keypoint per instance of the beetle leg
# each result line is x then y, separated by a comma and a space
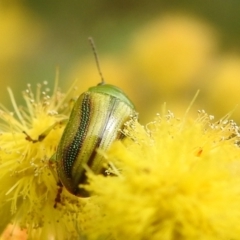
44, 134
59, 184
59, 192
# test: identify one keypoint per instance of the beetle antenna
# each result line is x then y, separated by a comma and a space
96, 59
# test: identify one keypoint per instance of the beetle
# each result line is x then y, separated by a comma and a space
95, 122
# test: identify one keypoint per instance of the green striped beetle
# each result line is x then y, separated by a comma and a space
95, 122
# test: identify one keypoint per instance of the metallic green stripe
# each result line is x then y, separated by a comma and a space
71, 151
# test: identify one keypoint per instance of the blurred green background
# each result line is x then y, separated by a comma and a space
157, 51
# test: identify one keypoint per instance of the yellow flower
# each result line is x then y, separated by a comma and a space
172, 51
28, 178
176, 179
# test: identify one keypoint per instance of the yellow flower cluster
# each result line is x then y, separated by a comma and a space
29, 183
177, 179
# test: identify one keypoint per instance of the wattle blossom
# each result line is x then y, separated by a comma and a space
177, 178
